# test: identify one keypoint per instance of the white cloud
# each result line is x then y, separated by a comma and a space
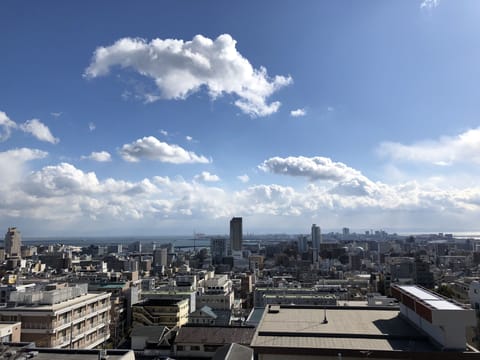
298, 112
243, 178
12, 163
180, 68
205, 176
448, 150
6, 126
164, 132
91, 126
429, 4
188, 138
102, 156
56, 114
39, 130
314, 168
65, 197
153, 149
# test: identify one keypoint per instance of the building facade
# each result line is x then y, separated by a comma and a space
316, 241
236, 233
165, 312
13, 242
60, 316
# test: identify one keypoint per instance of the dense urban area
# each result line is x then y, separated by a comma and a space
341, 294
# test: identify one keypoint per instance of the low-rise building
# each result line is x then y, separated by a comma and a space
216, 292
10, 332
166, 312
198, 342
60, 316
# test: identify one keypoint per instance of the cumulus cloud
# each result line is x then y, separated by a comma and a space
12, 163
64, 195
6, 126
314, 168
101, 156
243, 178
429, 4
447, 150
298, 112
39, 130
345, 181
188, 138
153, 149
205, 176
181, 68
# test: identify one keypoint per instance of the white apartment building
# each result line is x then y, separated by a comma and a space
215, 292
60, 316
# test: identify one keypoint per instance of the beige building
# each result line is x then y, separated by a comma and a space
10, 332
166, 312
215, 292
13, 242
60, 316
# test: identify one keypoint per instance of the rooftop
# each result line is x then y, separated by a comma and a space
86, 298
217, 335
355, 328
434, 301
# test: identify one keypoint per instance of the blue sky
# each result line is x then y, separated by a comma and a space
166, 117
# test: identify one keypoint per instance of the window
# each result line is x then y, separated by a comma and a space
195, 348
210, 348
180, 348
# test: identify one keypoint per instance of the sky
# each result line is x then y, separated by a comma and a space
172, 117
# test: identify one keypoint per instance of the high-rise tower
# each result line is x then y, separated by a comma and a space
316, 241
236, 234
13, 242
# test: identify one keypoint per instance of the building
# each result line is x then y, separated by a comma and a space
236, 234
316, 241
160, 257
60, 316
13, 242
207, 317
216, 292
444, 321
10, 332
346, 332
173, 293
218, 249
302, 244
165, 312
200, 342
142, 336
319, 295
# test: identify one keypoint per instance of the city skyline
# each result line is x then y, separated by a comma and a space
174, 117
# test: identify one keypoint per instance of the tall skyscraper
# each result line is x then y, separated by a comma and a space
160, 257
13, 242
316, 241
236, 234
218, 248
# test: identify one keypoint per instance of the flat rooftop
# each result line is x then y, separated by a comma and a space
86, 298
352, 328
434, 301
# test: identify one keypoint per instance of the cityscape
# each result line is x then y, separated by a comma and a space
242, 297
263, 180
